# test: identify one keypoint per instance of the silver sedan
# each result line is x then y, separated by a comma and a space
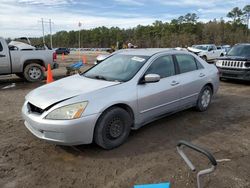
127, 90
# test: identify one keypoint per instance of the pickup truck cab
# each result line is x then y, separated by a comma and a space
236, 64
207, 52
25, 61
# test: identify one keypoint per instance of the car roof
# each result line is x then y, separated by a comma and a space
147, 51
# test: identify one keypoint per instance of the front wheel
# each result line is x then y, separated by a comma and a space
204, 58
204, 99
33, 72
112, 128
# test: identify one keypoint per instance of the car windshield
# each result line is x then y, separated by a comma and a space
118, 67
200, 47
240, 50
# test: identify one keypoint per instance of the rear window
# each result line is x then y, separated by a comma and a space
1, 47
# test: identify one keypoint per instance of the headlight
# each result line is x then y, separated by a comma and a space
72, 111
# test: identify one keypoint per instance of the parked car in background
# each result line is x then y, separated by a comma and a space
207, 52
125, 91
25, 60
236, 64
64, 51
225, 48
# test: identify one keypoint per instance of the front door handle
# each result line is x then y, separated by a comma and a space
2, 55
174, 83
202, 75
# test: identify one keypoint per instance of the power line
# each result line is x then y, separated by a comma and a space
50, 28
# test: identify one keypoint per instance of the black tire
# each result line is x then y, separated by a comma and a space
204, 58
20, 75
33, 72
204, 99
112, 128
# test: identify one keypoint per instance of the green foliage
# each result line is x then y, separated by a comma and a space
183, 31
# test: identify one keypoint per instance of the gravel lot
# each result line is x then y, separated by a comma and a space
149, 155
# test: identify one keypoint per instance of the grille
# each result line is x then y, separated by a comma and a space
233, 64
35, 109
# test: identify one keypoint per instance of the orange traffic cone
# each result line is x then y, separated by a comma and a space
84, 59
63, 57
49, 75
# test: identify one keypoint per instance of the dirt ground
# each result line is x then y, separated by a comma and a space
148, 156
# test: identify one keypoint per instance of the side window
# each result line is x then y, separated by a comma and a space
210, 48
164, 66
1, 47
186, 63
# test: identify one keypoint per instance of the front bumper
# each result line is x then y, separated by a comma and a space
235, 74
62, 132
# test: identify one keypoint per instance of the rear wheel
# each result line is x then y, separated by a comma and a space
112, 128
33, 72
204, 99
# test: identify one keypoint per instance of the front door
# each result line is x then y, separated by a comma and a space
4, 61
156, 99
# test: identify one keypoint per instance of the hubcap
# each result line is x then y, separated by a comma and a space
205, 99
115, 128
35, 73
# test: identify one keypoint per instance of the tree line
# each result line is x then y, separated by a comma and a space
182, 31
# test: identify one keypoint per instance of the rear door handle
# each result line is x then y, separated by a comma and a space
174, 83
2, 55
202, 75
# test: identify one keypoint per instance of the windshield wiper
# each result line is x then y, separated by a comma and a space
98, 77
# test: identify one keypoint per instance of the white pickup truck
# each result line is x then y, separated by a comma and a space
25, 61
207, 52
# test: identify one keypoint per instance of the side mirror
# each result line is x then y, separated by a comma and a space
151, 78
100, 58
210, 49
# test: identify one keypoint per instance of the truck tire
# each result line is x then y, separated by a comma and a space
33, 72
204, 58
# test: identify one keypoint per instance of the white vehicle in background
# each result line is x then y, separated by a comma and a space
207, 52
24, 60
225, 48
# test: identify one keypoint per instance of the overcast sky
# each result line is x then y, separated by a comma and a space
20, 17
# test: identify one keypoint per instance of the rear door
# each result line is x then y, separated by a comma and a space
192, 78
5, 66
155, 99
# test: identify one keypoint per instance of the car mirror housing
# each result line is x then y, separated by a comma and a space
151, 78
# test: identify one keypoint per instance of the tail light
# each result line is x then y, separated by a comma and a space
54, 56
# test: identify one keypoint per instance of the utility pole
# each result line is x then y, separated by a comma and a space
50, 29
43, 32
79, 24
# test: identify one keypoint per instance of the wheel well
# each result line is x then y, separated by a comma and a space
37, 61
125, 107
211, 86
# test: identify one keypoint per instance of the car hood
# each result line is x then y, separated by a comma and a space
195, 50
235, 58
63, 89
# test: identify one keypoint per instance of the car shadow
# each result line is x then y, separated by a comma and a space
242, 82
15, 83
165, 133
